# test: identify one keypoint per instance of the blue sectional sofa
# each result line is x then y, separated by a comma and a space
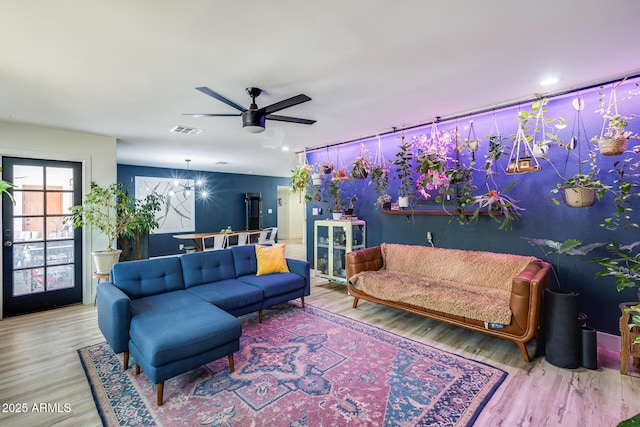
173, 314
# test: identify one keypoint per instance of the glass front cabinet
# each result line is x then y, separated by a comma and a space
333, 240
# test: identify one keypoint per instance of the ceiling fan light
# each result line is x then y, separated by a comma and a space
253, 121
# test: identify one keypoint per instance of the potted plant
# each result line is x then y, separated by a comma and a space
460, 188
134, 239
379, 177
335, 199
383, 201
580, 190
106, 209
623, 264
433, 155
404, 169
498, 204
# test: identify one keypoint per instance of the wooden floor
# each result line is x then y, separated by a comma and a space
39, 365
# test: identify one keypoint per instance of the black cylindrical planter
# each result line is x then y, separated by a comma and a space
589, 348
562, 335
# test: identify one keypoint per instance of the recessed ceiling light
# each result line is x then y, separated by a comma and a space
285, 148
549, 81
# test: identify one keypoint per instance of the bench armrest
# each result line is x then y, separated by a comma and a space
114, 316
368, 259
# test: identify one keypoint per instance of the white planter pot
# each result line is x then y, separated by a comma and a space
316, 178
104, 260
337, 215
403, 201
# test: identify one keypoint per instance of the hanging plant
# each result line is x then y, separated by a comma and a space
614, 136
404, 171
361, 164
471, 142
495, 149
501, 208
545, 129
300, 177
379, 176
433, 155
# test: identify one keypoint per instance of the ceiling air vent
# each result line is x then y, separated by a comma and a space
187, 130
222, 163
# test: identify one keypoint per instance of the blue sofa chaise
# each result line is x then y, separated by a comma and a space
174, 314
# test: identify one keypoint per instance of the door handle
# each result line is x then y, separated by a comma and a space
8, 243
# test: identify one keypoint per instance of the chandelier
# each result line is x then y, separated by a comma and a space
189, 186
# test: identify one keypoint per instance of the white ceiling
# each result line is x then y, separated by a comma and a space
128, 68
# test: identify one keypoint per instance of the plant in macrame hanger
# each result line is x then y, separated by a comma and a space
326, 166
361, 164
471, 142
545, 129
300, 176
582, 188
521, 158
433, 154
339, 171
614, 136
495, 149
379, 176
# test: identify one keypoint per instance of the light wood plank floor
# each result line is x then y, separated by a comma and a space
39, 364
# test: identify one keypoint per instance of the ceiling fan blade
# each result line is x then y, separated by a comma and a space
221, 98
295, 100
290, 119
210, 115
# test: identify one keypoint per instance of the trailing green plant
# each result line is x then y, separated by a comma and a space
625, 190
300, 177
459, 188
615, 124
361, 165
403, 163
535, 123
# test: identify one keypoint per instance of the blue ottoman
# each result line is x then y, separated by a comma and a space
176, 332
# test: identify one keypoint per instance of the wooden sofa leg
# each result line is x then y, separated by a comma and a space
523, 350
231, 365
137, 369
125, 360
302, 299
160, 392
260, 316
355, 302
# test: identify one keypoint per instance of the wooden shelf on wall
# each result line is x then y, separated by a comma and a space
439, 212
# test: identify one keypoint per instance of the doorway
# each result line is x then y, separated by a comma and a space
42, 255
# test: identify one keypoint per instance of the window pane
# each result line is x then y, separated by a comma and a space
28, 255
59, 179
57, 229
60, 252
28, 177
29, 281
28, 202
60, 277
28, 229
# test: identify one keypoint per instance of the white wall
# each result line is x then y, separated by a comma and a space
96, 153
290, 215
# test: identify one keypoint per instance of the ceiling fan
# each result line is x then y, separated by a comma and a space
253, 118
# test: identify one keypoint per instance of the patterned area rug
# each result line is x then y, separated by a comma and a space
302, 367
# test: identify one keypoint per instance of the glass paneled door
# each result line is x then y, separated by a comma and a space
42, 256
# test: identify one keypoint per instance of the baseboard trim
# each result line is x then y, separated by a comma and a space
608, 341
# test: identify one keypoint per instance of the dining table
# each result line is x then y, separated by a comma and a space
197, 237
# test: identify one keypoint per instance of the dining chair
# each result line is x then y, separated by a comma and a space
268, 236
243, 238
220, 241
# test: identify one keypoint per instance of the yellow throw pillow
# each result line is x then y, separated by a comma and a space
271, 259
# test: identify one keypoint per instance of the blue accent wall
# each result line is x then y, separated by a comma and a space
223, 207
541, 219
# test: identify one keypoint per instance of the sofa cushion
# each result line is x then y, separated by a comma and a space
176, 325
206, 267
148, 277
455, 298
276, 283
479, 268
230, 294
271, 259
244, 260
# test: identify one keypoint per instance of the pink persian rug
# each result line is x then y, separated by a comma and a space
302, 367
